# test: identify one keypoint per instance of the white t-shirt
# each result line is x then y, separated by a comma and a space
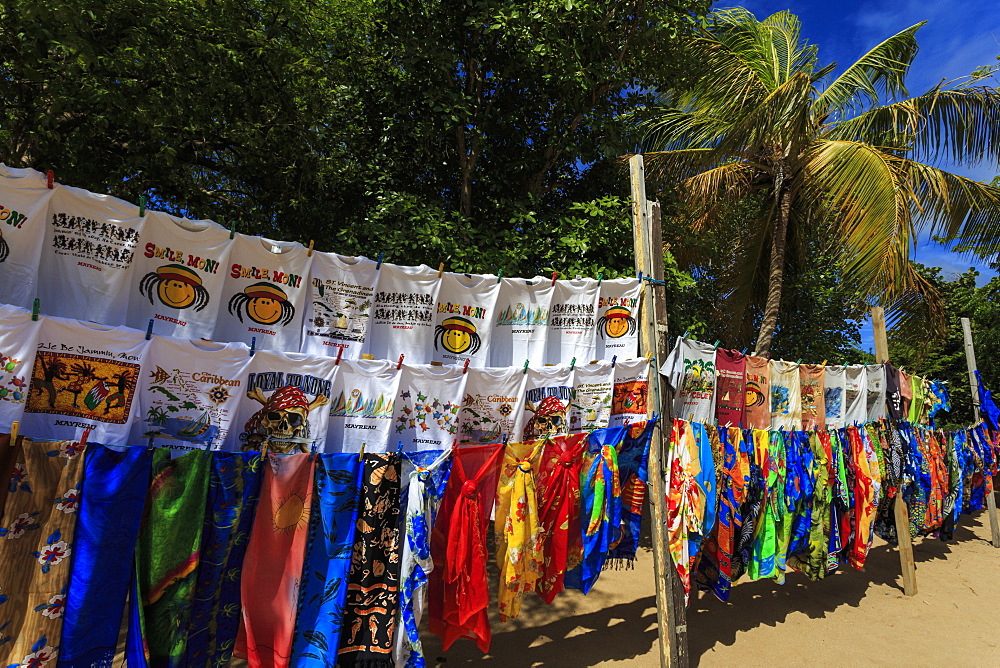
521, 321
786, 397
427, 405
180, 268
618, 319
835, 396
285, 402
361, 406
547, 395
631, 392
264, 293
86, 264
593, 390
875, 396
690, 370
338, 311
492, 405
18, 341
24, 202
403, 320
855, 394
85, 375
572, 322
191, 392
463, 320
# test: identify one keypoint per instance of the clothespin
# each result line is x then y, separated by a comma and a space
399, 447
50, 178
15, 429
440, 269
499, 275
399, 364
35, 308
232, 229
686, 332
465, 367
799, 361
525, 370
824, 363
83, 439
715, 346
640, 277
142, 205
744, 351
614, 361
436, 363
555, 275
572, 364
379, 265
149, 444
340, 352
361, 455
253, 345
649, 356
600, 277
149, 330
312, 244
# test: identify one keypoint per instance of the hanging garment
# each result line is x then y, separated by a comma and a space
752, 505
866, 481
630, 392
617, 311
812, 560
777, 458
758, 393
763, 557
811, 378
24, 201
836, 402
338, 305
84, 377
264, 294
322, 593
18, 343
559, 511
547, 395
593, 391
690, 370
633, 472
938, 394
403, 316
519, 534
906, 391
177, 282
786, 396
366, 635
90, 245
191, 395
272, 567
167, 555
893, 392
427, 404
686, 501
799, 489
855, 394
730, 403
521, 322
917, 403
36, 549
463, 319
715, 568
458, 593
362, 405
572, 329
492, 403
113, 494
233, 495
987, 407
876, 398
423, 481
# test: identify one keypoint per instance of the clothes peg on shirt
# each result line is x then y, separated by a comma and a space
253, 345
15, 429
715, 346
465, 367
340, 351
142, 205
600, 277
35, 308
798, 361
83, 439
499, 275
686, 332
361, 455
312, 244
379, 265
614, 361
824, 363
555, 274
440, 269
525, 370
744, 351
399, 447
232, 229
50, 178
149, 330
399, 364
572, 364
639, 277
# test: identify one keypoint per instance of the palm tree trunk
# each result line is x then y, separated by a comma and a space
775, 277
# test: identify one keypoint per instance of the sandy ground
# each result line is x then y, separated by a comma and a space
851, 618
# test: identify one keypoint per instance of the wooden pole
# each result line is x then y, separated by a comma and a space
970, 361
905, 544
670, 609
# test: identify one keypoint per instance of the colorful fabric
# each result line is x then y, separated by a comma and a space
518, 532
763, 558
685, 499
987, 407
330, 544
36, 547
423, 481
112, 499
559, 511
633, 472
373, 580
715, 569
753, 495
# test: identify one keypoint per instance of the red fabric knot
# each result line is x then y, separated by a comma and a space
470, 489
566, 459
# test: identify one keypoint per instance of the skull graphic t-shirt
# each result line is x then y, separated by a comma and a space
547, 395
24, 201
361, 409
630, 402
18, 341
521, 321
403, 320
463, 319
338, 311
428, 402
593, 394
491, 406
786, 396
180, 268
617, 319
285, 403
572, 322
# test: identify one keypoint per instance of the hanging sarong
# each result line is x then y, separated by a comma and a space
323, 590
559, 511
519, 535
750, 509
864, 500
8, 458
423, 480
36, 547
458, 593
763, 562
633, 472
373, 581
685, 499
715, 569
233, 494
777, 457
272, 567
812, 561
112, 499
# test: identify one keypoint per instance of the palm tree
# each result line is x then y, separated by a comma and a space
849, 157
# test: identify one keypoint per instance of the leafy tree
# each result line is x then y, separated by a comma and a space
851, 156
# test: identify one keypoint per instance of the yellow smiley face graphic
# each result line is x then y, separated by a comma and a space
264, 303
264, 310
456, 341
617, 322
457, 335
176, 294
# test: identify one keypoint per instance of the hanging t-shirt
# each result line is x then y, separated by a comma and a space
341, 293
547, 395
834, 396
284, 403
917, 404
730, 401
264, 293
24, 202
690, 370
593, 392
630, 400
811, 386
191, 392
521, 322
786, 396
893, 395
491, 406
180, 269
90, 246
573, 322
875, 396
18, 341
855, 395
403, 320
617, 321
758, 393
906, 392
463, 319
362, 406
85, 376
428, 401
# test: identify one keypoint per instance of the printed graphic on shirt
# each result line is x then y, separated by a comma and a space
833, 397
4, 247
285, 413
630, 397
485, 418
354, 403
92, 242
422, 412
340, 311
616, 322
264, 303
13, 383
456, 334
755, 390
519, 315
188, 406
404, 310
590, 407
810, 392
82, 386
780, 396
699, 379
175, 286
549, 406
